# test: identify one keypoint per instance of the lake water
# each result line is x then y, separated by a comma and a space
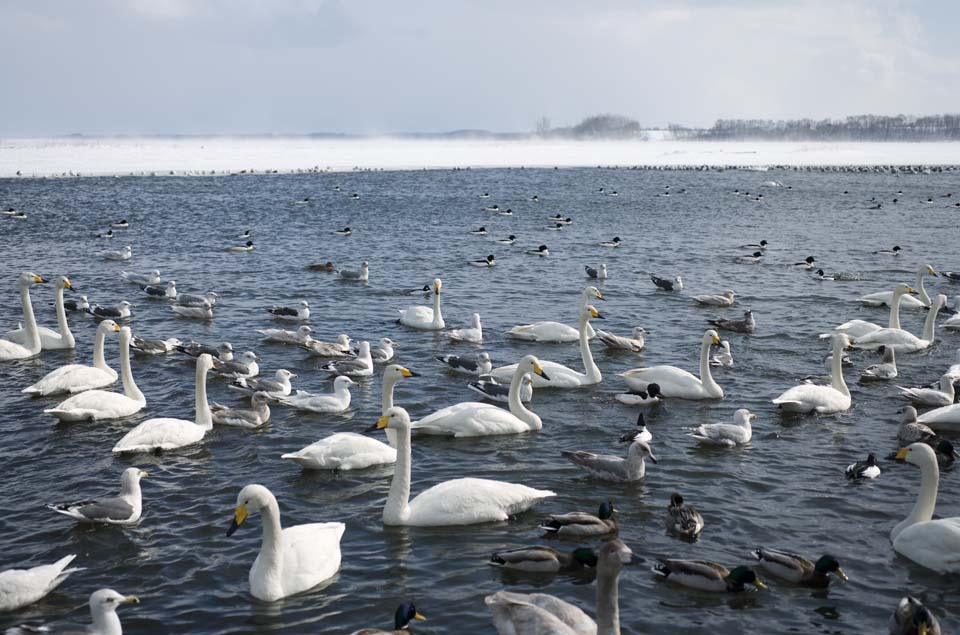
785, 490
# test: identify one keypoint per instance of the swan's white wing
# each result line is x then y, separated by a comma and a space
934, 544
344, 451
898, 339
72, 378
537, 613
163, 434
673, 381
545, 332
470, 419
466, 501
809, 397
945, 419
416, 315
95, 404
311, 555
10, 350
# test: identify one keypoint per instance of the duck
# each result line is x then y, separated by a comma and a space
495, 391
931, 397
704, 575
819, 274
901, 340
422, 317
728, 435
747, 325
141, 346
677, 383
796, 569
284, 336
646, 397
750, 259
11, 350
682, 519
911, 617
340, 348
911, 430
254, 417
509, 240
126, 253
245, 235
165, 433
557, 227
885, 298
598, 274
887, 369
614, 243
581, 524
863, 470
634, 343
246, 247
361, 366
23, 587
74, 378
762, 245
476, 419
142, 279
121, 224
608, 467
831, 399
895, 251
352, 451
541, 251
96, 405
543, 559
667, 285
125, 509
474, 334
338, 401
505, 212
50, 340
299, 313
933, 544
481, 231
489, 261
556, 332
515, 613
164, 292
808, 263
725, 299
402, 617
327, 267
355, 275
858, 328
561, 376
292, 560
462, 501
106, 234
725, 357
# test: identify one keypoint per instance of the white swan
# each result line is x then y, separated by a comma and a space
22, 587
352, 451
903, 341
943, 419
339, 401
462, 501
422, 317
556, 332
474, 334
11, 350
75, 378
676, 382
476, 419
909, 302
291, 560
858, 328
51, 340
94, 405
561, 376
934, 544
168, 433
821, 399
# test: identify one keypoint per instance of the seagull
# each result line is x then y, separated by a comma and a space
464, 366
609, 467
885, 370
723, 358
363, 275
158, 291
249, 246
245, 366
141, 279
541, 251
381, 353
198, 312
123, 254
727, 298
633, 343
599, 274
190, 299
223, 352
509, 240
285, 336
611, 243
667, 285
279, 386
154, 347
77, 305
254, 417
726, 434
298, 313
340, 348
806, 264
489, 261
746, 325
362, 366
953, 276
346, 231
474, 334
124, 509
117, 312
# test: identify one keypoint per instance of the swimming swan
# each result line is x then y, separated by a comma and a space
821, 399
676, 382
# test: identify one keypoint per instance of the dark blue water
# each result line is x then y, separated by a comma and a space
785, 490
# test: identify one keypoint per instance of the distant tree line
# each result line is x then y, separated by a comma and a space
855, 128
595, 127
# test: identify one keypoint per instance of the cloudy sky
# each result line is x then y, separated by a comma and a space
379, 66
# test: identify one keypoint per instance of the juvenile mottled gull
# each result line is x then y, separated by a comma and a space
615, 468
253, 417
746, 325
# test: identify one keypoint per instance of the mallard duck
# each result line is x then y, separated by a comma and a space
683, 520
544, 559
581, 524
913, 618
797, 569
402, 617
708, 576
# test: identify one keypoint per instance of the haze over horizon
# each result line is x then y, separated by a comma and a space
374, 67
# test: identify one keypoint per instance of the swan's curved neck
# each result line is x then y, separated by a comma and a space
929, 332
608, 603
590, 366
62, 323
126, 373
203, 417
706, 377
437, 316
922, 295
386, 402
927, 499
517, 408
29, 319
106, 622
836, 369
895, 310
98, 360
271, 555
397, 508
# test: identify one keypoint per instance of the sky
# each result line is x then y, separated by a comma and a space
102, 67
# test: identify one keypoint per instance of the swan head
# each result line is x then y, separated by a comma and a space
205, 362
930, 271
711, 337
903, 289
939, 302
28, 279
613, 556
63, 282
396, 372
130, 478
342, 383
125, 336
250, 500
437, 285
396, 418
530, 364
106, 601
920, 454
108, 326
592, 293
405, 614
590, 312
842, 341
744, 416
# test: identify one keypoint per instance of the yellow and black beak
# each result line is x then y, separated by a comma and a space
380, 424
902, 454
596, 314
417, 616
716, 340
600, 296
538, 369
842, 575
239, 515
116, 327
406, 372
39, 280
911, 290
